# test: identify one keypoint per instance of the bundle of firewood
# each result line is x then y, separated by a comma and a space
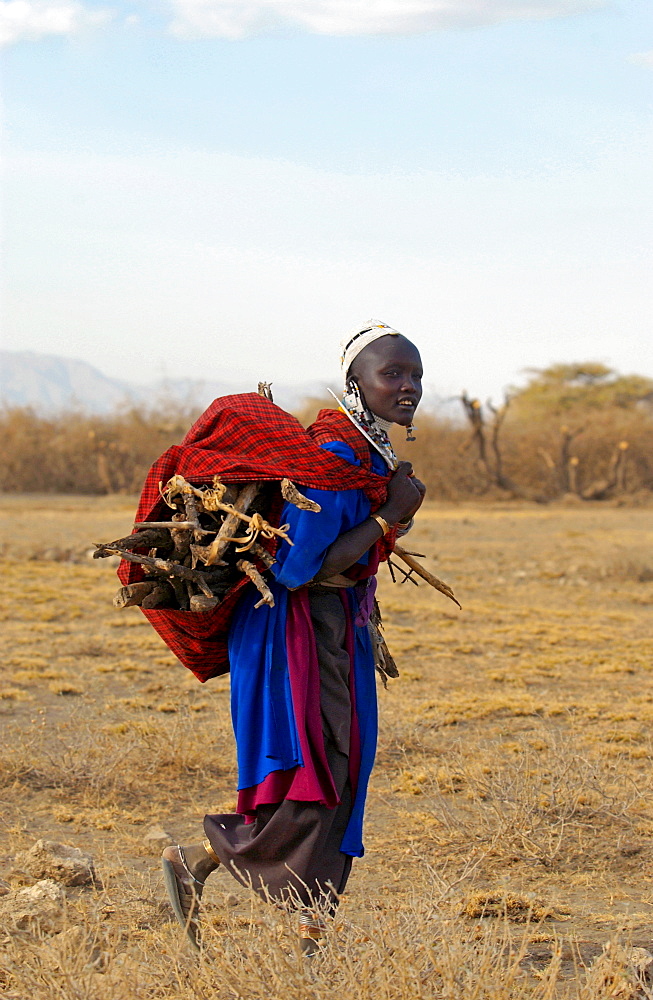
213, 537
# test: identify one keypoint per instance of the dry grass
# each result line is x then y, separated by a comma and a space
510, 823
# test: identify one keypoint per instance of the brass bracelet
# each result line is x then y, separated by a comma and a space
385, 527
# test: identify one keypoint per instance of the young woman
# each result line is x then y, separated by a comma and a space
303, 673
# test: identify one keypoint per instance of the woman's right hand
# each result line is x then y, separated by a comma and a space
403, 496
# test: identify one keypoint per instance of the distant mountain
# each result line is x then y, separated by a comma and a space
51, 383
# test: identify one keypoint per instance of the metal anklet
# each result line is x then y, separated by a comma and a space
206, 844
311, 925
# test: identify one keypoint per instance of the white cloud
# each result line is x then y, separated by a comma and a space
642, 58
28, 20
240, 18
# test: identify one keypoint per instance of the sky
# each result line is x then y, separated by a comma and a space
224, 188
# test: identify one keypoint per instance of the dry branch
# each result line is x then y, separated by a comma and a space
290, 493
152, 538
419, 570
162, 594
251, 571
572, 474
568, 462
199, 602
181, 525
134, 594
164, 567
262, 555
383, 659
243, 501
599, 489
474, 412
493, 471
192, 559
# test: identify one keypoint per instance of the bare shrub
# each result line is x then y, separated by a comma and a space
577, 428
533, 456
78, 452
545, 449
421, 953
631, 567
105, 766
533, 804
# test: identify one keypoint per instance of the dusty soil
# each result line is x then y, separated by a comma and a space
513, 780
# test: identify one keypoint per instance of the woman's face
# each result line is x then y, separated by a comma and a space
389, 374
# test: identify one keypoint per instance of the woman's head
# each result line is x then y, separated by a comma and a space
388, 372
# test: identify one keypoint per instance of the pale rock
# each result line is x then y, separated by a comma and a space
45, 890
40, 905
156, 838
51, 860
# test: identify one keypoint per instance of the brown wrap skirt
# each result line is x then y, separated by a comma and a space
291, 853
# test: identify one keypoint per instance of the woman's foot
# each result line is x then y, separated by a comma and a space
185, 870
201, 860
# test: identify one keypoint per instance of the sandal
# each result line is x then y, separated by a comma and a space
184, 891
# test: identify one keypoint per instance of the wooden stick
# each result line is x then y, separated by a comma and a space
166, 568
433, 581
192, 514
258, 552
290, 493
199, 602
133, 594
181, 596
153, 538
251, 571
182, 525
162, 594
219, 545
181, 541
175, 526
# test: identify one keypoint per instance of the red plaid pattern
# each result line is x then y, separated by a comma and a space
242, 438
333, 425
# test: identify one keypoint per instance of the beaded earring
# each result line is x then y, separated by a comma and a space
353, 405
410, 432
353, 399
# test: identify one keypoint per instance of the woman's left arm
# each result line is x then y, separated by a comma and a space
403, 499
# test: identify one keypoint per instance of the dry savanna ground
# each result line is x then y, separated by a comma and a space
510, 822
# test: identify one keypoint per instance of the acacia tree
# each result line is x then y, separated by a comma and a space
564, 406
577, 389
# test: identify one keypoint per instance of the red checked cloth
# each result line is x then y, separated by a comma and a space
242, 438
333, 425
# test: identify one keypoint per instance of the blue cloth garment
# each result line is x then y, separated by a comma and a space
261, 701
